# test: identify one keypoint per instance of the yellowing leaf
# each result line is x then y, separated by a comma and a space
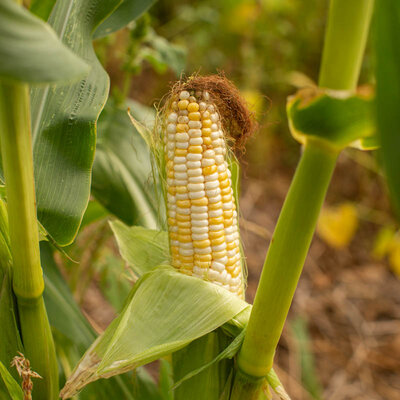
394, 256
337, 225
383, 242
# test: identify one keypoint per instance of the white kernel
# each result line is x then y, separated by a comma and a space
180, 182
219, 159
175, 243
170, 154
173, 228
236, 281
196, 179
215, 199
215, 143
211, 108
196, 141
199, 236
214, 275
199, 272
214, 117
215, 213
194, 124
217, 266
194, 157
199, 209
172, 207
171, 137
197, 195
186, 252
197, 216
216, 227
170, 181
171, 198
219, 150
194, 133
205, 250
229, 237
212, 184
211, 177
172, 117
183, 119
227, 206
184, 95
222, 260
181, 175
183, 211
220, 247
182, 196
195, 187
183, 112
181, 137
170, 145
214, 135
214, 127
232, 253
179, 160
182, 145
195, 172
193, 164
229, 230
180, 168
171, 128
199, 223
206, 97
209, 154
188, 245
207, 162
213, 192
171, 214
202, 106
200, 229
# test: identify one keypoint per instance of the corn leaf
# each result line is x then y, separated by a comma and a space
26, 42
12, 389
64, 123
126, 12
122, 172
388, 91
165, 312
338, 120
141, 248
42, 8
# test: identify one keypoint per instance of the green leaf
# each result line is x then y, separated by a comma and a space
122, 172
339, 120
166, 380
64, 123
142, 248
145, 387
31, 52
12, 387
388, 91
128, 11
42, 8
165, 311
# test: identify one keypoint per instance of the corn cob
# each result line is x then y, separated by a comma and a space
202, 216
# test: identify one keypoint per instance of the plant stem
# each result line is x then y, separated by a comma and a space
28, 284
345, 39
285, 258
344, 46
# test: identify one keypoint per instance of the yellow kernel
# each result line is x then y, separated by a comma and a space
209, 170
215, 206
201, 244
219, 254
184, 238
174, 250
231, 245
203, 257
193, 107
183, 203
170, 164
203, 264
216, 220
181, 128
226, 191
186, 271
195, 149
206, 131
207, 123
182, 105
185, 231
183, 224
235, 272
173, 236
224, 184
171, 221
228, 213
170, 173
182, 218
207, 141
218, 241
216, 234
222, 176
227, 198
200, 202
181, 189
186, 266
194, 116
172, 190
228, 222
230, 263
186, 258
180, 152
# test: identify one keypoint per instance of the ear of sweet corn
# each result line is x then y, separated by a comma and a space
202, 216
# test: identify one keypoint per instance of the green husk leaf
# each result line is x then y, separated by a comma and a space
122, 171
64, 123
388, 92
339, 119
14, 391
42, 8
276, 385
126, 12
141, 248
166, 380
144, 386
26, 42
165, 311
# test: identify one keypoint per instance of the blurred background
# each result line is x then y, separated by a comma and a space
342, 337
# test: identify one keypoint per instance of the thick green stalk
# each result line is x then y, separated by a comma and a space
28, 284
344, 46
285, 258
345, 39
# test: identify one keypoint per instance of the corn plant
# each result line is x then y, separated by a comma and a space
187, 307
